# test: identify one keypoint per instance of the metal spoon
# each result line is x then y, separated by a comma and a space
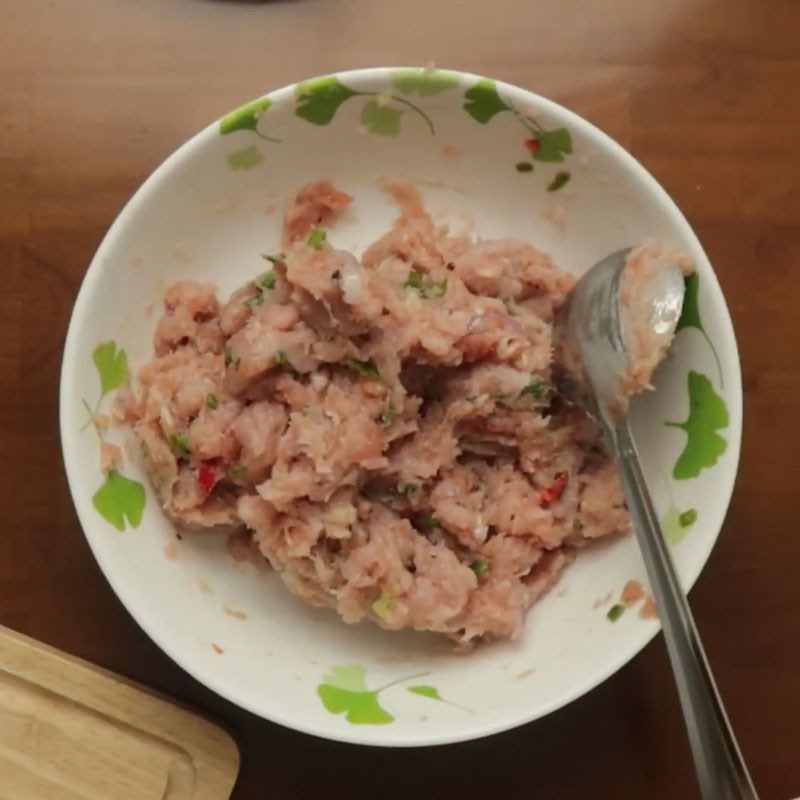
591, 331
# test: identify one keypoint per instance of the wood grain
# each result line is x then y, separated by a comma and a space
72, 731
95, 93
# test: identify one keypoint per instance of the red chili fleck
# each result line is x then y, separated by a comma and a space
532, 144
482, 425
555, 489
207, 475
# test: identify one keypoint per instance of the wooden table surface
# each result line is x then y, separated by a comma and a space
95, 93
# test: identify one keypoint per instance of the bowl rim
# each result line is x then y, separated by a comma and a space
352, 734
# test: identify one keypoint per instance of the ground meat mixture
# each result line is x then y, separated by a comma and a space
384, 428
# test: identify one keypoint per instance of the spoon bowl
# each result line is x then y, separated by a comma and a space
594, 331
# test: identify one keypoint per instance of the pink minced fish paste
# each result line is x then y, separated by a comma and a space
384, 429
647, 343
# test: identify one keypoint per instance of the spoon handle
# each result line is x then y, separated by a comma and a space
720, 768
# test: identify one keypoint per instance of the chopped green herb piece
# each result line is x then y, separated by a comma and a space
255, 301
388, 415
537, 388
562, 177
381, 607
577, 525
280, 358
266, 281
524, 166
211, 400
364, 368
424, 287
278, 258
688, 517
237, 470
316, 238
179, 442
230, 361
402, 490
415, 280
615, 612
501, 397
438, 289
410, 565
478, 566
428, 522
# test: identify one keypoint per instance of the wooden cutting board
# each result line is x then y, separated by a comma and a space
72, 731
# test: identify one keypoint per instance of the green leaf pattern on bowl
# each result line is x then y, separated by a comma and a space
424, 82
483, 103
246, 158
707, 415
344, 691
381, 120
119, 499
111, 365
244, 118
690, 317
318, 101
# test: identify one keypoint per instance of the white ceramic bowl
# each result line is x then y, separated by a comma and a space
207, 213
